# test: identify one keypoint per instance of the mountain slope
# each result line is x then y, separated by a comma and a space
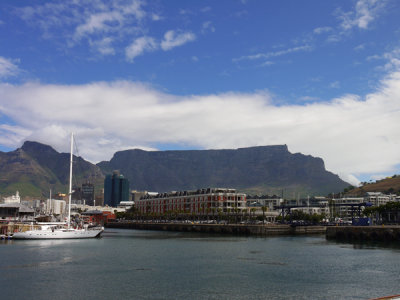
387, 185
35, 168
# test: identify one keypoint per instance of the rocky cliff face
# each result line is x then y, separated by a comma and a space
267, 169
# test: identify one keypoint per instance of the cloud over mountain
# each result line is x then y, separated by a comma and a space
354, 135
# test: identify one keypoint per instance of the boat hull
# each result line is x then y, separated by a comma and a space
57, 234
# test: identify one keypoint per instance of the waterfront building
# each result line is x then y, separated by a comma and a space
116, 189
314, 205
203, 201
377, 198
310, 210
13, 199
16, 212
342, 207
97, 216
269, 202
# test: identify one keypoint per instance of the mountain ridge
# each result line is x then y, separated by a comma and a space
35, 168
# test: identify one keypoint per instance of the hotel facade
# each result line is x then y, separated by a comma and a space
204, 201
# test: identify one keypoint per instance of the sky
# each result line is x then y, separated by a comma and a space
322, 77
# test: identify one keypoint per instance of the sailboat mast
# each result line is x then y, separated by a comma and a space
70, 183
50, 204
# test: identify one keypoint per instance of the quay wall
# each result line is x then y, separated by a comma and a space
256, 230
364, 233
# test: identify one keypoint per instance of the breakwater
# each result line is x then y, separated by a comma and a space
364, 233
239, 229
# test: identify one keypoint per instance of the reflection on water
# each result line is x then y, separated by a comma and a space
369, 245
131, 264
43, 264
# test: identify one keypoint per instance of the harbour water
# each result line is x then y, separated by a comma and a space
132, 264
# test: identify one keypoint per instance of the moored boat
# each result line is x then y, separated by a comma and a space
58, 232
61, 231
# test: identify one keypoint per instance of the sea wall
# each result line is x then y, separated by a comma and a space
364, 233
257, 230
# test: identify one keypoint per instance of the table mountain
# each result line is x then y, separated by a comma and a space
255, 170
35, 168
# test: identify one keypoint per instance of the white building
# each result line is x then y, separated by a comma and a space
56, 207
13, 199
126, 204
269, 203
377, 198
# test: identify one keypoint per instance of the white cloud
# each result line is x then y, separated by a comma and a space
156, 17
353, 135
139, 46
359, 47
174, 39
392, 59
321, 30
12, 135
268, 55
267, 63
8, 68
207, 27
334, 85
109, 19
104, 46
364, 13
91, 21
101, 22
378, 176
350, 178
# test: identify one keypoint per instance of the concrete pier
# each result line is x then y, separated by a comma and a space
364, 233
239, 229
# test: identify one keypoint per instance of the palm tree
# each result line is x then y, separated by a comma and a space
253, 210
264, 209
219, 213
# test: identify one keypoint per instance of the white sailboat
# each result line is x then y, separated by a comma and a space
53, 231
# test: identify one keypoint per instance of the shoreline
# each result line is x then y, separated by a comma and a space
239, 229
381, 233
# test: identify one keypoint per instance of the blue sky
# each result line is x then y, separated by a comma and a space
320, 76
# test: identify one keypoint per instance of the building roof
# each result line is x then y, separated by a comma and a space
93, 212
22, 208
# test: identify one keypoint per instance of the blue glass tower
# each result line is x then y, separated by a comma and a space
116, 189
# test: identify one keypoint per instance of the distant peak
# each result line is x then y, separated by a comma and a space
30, 146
